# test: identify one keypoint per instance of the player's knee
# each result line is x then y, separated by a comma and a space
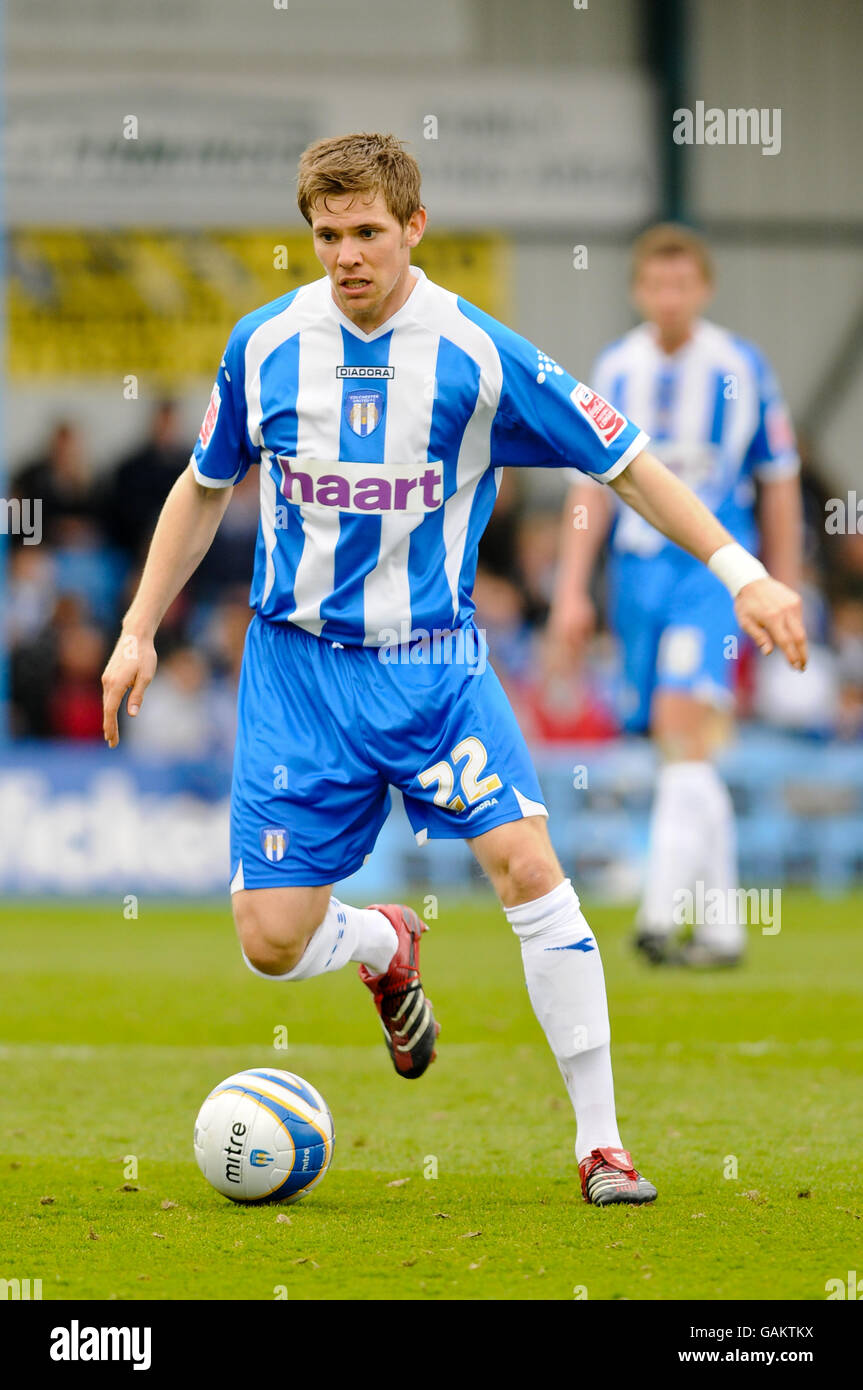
268, 956
273, 939
530, 875
686, 729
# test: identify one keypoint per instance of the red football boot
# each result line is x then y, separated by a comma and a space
607, 1176
405, 1013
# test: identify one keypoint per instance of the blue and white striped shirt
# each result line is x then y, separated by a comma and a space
381, 454
715, 416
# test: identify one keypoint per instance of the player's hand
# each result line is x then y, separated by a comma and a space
772, 614
132, 663
569, 630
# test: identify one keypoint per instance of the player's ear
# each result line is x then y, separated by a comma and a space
416, 225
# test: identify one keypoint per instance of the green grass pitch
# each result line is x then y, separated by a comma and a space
461, 1185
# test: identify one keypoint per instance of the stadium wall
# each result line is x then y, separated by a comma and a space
89, 822
787, 228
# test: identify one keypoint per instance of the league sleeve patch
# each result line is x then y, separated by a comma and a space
606, 422
777, 427
211, 417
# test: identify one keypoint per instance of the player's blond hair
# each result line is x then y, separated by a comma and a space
363, 163
669, 239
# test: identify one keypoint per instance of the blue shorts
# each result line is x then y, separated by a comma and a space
676, 625
325, 730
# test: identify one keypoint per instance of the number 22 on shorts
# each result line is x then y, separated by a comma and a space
473, 786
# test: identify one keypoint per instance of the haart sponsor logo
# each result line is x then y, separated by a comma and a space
367, 489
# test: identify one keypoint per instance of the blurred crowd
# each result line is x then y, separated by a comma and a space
66, 597
558, 699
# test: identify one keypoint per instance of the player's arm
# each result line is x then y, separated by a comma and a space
184, 533
766, 608
780, 517
584, 526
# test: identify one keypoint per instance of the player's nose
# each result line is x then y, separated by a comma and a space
350, 253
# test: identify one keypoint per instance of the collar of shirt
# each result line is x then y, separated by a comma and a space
407, 310
673, 358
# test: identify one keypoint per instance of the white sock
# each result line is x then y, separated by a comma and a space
347, 933
567, 991
720, 868
678, 833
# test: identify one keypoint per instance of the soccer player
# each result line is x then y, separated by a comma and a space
717, 420
380, 409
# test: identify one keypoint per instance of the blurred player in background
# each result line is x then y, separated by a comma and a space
381, 409
716, 418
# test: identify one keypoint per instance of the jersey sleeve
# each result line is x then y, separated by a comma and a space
223, 451
601, 379
547, 419
772, 453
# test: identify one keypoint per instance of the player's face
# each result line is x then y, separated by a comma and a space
366, 253
670, 292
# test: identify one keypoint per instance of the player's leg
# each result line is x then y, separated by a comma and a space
639, 591
692, 832
565, 981
562, 968
306, 809
474, 779
684, 731
295, 933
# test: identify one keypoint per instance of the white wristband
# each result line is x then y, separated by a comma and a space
735, 567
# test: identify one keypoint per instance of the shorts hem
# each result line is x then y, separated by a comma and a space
469, 833
308, 880
706, 692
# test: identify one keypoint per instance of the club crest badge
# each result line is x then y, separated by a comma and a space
364, 410
274, 842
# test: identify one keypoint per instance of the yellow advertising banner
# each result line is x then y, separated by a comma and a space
161, 304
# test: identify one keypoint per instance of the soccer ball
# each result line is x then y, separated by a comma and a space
264, 1136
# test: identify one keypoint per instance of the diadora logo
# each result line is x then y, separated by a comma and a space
585, 944
368, 489
364, 410
274, 842
366, 373
259, 1158
603, 419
